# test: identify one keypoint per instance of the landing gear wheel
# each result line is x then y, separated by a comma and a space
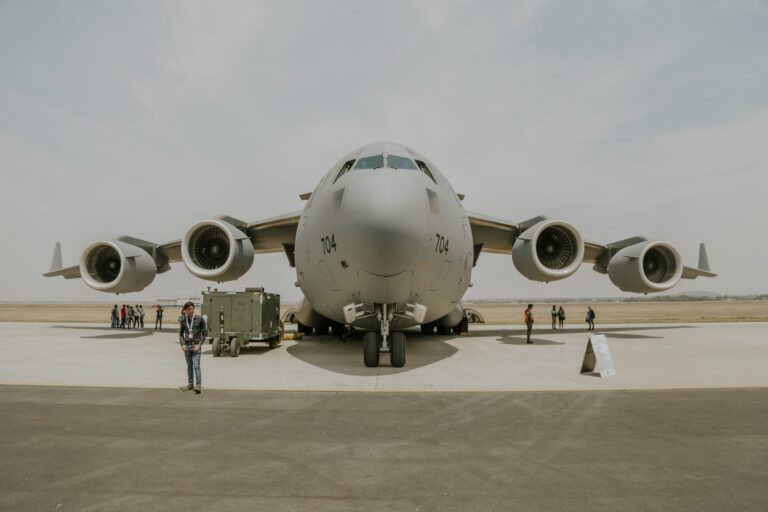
371, 349
444, 331
337, 329
462, 327
303, 329
234, 347
428, 328
216, 348
397, 350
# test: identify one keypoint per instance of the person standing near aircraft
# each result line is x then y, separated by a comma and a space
114, 316
561, 317
528, 317
590, 319
159, 317
122, 317
192, 333
554, 317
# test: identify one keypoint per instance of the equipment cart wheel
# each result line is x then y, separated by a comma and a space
397, 351
216, 348
371, 349
274, 342
234, 347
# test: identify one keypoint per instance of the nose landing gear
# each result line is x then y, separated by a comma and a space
374, 343
397, 352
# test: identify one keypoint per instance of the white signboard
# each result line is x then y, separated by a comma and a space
597, 357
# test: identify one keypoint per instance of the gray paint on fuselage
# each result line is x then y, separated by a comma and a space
377, 241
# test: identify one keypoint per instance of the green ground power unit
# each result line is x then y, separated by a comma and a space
236, 319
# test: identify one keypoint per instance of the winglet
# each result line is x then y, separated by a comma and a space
56, 263
703, 270
57, 267
703, 260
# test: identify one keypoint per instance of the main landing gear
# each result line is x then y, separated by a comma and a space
374, 343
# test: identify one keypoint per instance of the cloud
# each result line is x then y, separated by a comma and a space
631, 118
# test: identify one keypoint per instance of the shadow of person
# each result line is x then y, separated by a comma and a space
515, 340
611, 332
330, 353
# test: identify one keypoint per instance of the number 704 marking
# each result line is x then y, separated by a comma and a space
441, 245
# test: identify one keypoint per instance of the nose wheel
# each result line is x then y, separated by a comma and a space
397, 350
371, 349
375, 343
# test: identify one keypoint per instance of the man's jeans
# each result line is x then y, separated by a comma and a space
193, 363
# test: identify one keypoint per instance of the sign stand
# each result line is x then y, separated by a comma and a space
598, 356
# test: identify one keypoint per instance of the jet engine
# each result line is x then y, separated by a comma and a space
216, 250
117, 267
646, 267
548, 251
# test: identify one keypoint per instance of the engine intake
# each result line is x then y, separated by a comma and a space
646, 267
548, 251
217, 251
117, 267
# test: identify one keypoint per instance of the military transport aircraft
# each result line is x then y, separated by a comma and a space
382, 244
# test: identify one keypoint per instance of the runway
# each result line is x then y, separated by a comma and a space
492, 358
92, 420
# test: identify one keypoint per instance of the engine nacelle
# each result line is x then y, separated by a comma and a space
548, 251
453, 318
117, 267
646, 267
217, 251
308, 316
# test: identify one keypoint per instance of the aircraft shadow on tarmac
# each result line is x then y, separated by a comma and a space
518, 336
346, 357
114, 334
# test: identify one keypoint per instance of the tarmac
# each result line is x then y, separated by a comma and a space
92, 419
492, 358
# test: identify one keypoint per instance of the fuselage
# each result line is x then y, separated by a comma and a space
384, 226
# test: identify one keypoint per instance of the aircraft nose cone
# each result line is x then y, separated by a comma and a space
386, 222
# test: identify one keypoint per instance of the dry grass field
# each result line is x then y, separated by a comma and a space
632, 312
607, 312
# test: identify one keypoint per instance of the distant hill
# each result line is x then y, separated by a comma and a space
709, 295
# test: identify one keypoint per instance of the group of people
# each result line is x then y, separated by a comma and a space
129, 316
558, 318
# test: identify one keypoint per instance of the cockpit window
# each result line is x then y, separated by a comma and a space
400, 162
370, 162
423, 168
344, 168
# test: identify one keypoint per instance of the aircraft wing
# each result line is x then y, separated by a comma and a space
600, 255
498, 236
491, 234
275, 234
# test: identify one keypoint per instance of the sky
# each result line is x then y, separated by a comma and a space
622, 118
